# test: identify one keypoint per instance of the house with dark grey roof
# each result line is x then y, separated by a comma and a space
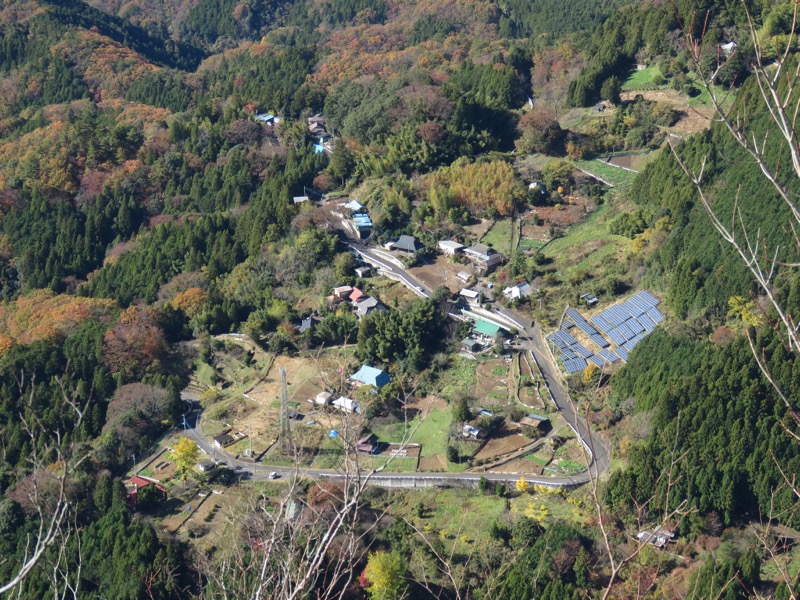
483, 256
407, 243
368, 306
308, 324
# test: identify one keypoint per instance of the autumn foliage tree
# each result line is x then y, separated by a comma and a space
136, 344
540, 132
386, 575
185, 455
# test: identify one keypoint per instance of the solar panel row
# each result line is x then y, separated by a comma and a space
599, 340
599, 362
609, 356
582, 323
576, 365
648, 298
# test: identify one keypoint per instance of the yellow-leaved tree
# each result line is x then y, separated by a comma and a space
185, 454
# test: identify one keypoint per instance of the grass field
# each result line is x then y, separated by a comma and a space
642, 80
458, 379
499, 236
619, 178
430, 432
593, 229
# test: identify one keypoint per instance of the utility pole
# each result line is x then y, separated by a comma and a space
286, 428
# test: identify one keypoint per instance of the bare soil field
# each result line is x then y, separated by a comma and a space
528, 393
573, 210
520, 465
626, 162
433, 275
490, 387
504, 440
258, 413
425, 404
433, 464
479, 229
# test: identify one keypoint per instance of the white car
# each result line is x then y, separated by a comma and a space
273, 475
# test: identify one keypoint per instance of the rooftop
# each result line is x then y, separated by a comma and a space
371, 376
481, 249
486, 328
407, 243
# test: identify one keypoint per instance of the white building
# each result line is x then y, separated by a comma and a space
347, 405
521, 290
450, 247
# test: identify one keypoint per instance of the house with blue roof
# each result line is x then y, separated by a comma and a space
367, 375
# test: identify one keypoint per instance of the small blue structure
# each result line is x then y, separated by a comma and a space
367, 375
333, 434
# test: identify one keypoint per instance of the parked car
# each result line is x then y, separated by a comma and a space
273, 475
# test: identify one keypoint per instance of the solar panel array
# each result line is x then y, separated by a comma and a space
573, 353
584, 325
628, 323
624, 324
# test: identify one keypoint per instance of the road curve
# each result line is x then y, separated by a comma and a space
532, 339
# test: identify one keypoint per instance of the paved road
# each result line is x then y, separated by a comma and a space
391, 269
532, 339
262, 472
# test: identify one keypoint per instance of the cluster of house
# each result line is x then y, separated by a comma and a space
363, 304
366, 375
358, 220
316, 127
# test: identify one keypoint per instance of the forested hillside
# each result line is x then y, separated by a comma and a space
176, 216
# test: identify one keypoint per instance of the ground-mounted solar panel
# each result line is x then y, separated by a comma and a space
655, 315
601, 324
581, 351
635, 326
634, 308
567, 324
581, 322
576, 365
567, 354
645, 322
599, 340
629, 346
603, 316
622, 353
568, 339
598, 362
648, 298
609, 356
619, 315
616, 337
624, 331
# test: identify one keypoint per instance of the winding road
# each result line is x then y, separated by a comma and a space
532, 339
